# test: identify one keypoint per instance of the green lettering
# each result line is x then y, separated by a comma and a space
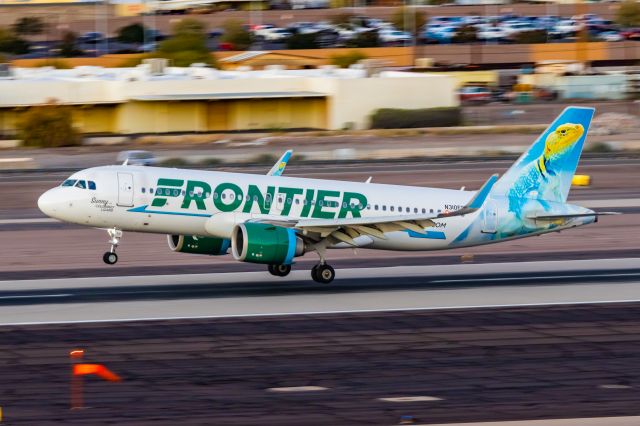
308, 199
349, 206
321, 202
254, 195
233, 202
289, 193
198, 196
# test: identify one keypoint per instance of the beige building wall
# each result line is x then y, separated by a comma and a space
352, 101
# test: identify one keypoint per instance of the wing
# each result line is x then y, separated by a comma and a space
278, 168
346, 229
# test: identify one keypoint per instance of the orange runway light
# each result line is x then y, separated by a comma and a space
97, 369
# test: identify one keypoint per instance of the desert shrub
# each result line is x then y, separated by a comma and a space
174, 162
348, 59
391, 118
48, 126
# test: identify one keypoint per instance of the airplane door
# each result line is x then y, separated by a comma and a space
125, 189
490, 225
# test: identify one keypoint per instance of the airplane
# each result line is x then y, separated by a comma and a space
273, 219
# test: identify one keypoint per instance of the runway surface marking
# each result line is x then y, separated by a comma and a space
298, 389
411, 399
591, 421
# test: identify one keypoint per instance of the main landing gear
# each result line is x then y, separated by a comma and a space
279, 270
110, 257
323, 273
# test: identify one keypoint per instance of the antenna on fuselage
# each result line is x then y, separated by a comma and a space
126, 162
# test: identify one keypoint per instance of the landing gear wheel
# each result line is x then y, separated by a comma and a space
323, 274
279, 270
110, 258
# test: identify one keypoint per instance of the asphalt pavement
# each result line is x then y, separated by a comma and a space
372, 368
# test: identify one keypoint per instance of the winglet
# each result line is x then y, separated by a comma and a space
278, 168
477, 201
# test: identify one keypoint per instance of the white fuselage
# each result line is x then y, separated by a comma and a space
209, 203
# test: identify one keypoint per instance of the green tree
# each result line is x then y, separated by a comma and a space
403, 19
236, 34
11, 43
29, 25
348, 59
68, 47
49, 125
466, 34
133, 33
530, 37
628, 14
189, 26
187, 46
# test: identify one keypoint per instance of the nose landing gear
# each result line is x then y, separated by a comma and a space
110, 257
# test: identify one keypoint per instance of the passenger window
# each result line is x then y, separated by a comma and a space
297, 201
430, 210
176, 192
415, 210
150, 190
207, 194
224, 195
288, 200
81, 184
375, 207
69, 182
143, 190
92, 185
391, 208
384, 208
424, 211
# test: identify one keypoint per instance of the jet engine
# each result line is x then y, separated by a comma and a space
198, 245
264, 243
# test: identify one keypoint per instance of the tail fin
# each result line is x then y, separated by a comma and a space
545, 170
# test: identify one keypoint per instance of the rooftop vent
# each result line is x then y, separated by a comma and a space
157, 66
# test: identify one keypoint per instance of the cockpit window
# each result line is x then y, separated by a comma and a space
69, 182
92, 185
81, 184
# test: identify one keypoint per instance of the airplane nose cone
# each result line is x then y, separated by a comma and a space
46, 203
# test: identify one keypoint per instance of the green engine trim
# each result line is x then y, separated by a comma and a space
264, 243
199, 245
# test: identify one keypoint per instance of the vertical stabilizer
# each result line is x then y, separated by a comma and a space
545, 170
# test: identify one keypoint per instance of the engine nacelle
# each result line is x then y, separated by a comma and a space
263, 243
198, 245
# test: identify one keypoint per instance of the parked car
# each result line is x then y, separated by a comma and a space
276, 34
440, 35
91, 37
610, 36
491, 34
137, 158
479, 94
631, 33
394, 36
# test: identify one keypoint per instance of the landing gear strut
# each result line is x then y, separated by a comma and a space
110, 257
279, 270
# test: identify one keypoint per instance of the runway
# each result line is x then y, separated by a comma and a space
440, 366
411, 288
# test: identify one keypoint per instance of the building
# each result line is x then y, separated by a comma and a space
153, 99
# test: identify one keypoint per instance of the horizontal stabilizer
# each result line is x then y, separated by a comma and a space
569, 216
